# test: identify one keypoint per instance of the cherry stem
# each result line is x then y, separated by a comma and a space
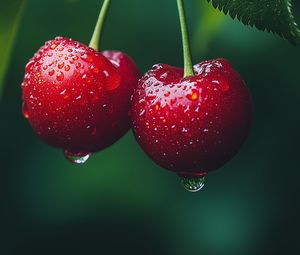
96, 38
188, 64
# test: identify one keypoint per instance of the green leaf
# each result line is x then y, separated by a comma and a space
271, 15
10, 14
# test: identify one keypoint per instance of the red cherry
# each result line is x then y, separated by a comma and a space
192, 125
77, 99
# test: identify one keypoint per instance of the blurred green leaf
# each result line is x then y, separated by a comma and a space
271, 15
209, 23
10, 14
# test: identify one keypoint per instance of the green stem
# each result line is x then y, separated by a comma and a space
96, 38
188, 64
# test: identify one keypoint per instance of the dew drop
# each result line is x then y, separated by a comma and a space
60, 76
194, 95
150, 98
94, 69
25, 111
63, 92
45, 67
67, 68
106, 73
173, 101
193, 184
53, 46
142, 112
77, 157
29, 66
51, 72
157, 106
60, 64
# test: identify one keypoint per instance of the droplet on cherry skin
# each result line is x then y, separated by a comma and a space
77, 157
193, 184
25, 111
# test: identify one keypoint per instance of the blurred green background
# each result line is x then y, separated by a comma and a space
122, 203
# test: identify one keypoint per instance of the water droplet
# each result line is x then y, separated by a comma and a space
167, 94
150, 98
45, 67
67, 68
60, 64
84, 56
51, 72
194, 95
157, 106
142, 112
53, 46
193, 184
106, 73
63, 92
87, 58
94, 69
25, 111
173, 100
60, 76
77, 157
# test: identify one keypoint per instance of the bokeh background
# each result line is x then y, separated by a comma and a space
122, 203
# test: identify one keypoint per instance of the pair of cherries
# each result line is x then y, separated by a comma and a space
83, 101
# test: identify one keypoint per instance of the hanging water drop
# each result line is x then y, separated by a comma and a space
193, 184
77, 157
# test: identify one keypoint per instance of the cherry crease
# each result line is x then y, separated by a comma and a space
76, 98
192, 125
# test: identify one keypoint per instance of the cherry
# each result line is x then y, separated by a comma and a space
76, 98
195, 124
193, 120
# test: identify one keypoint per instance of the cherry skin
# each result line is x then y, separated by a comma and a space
76, 98
191, 125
